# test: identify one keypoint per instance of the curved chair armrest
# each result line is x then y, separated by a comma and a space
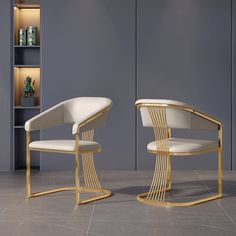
96, 120
208, 118
52, 117
197, 119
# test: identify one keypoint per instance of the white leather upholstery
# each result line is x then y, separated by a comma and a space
178, 145
176, 117
65, 145
162, 101
76, 110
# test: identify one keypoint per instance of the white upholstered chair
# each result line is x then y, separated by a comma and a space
86, 114
163, 115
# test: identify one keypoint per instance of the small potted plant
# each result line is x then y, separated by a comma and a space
28, 99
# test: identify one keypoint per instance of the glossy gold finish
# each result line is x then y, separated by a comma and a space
142, 198
220, 160
104, 193
92, 183
161, 182
162, 170
188, 153
77, 176
27, 164
94, 117
89, 171
169, 164
185, 108
60, 151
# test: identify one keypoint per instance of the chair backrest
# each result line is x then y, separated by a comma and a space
80, 108
77, 110
85, 112
172, 114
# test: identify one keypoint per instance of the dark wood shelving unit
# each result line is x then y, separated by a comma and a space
26, 63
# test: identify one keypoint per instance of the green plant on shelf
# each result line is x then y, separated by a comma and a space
28, 88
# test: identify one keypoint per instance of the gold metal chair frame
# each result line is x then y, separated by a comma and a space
91, 181
161, 182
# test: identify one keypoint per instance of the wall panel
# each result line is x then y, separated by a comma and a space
5, 84
233, 104
88, 50
184, 53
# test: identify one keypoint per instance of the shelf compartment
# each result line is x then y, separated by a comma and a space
20, 150
19, 76
27, 56
22, 115
26, 63
24, 17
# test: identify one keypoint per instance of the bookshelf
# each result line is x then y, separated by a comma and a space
26, 63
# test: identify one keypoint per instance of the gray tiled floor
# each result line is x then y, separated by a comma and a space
120, 214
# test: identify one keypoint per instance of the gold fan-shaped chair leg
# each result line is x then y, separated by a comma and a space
92, 183
161, 182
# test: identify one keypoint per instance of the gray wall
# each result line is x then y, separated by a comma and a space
88, 50
233, 105
184, 53
5, 84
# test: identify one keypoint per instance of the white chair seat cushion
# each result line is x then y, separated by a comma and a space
178, 145
65, 145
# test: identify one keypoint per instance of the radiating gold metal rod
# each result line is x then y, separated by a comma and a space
156, 114
220, 160
166, 176
169, 172
155, 181
169, 163
161, 181
92, 183
154, 184
158, 185
77, 175
90, 175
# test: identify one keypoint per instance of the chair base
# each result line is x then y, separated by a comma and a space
142, 198
105, 193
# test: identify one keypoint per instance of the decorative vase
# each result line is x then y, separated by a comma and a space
31, 35
22, 37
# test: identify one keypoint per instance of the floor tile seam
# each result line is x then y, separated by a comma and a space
19, 227
206, 226
218, 203
227, 214
91, 217
3, 212
59, 225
